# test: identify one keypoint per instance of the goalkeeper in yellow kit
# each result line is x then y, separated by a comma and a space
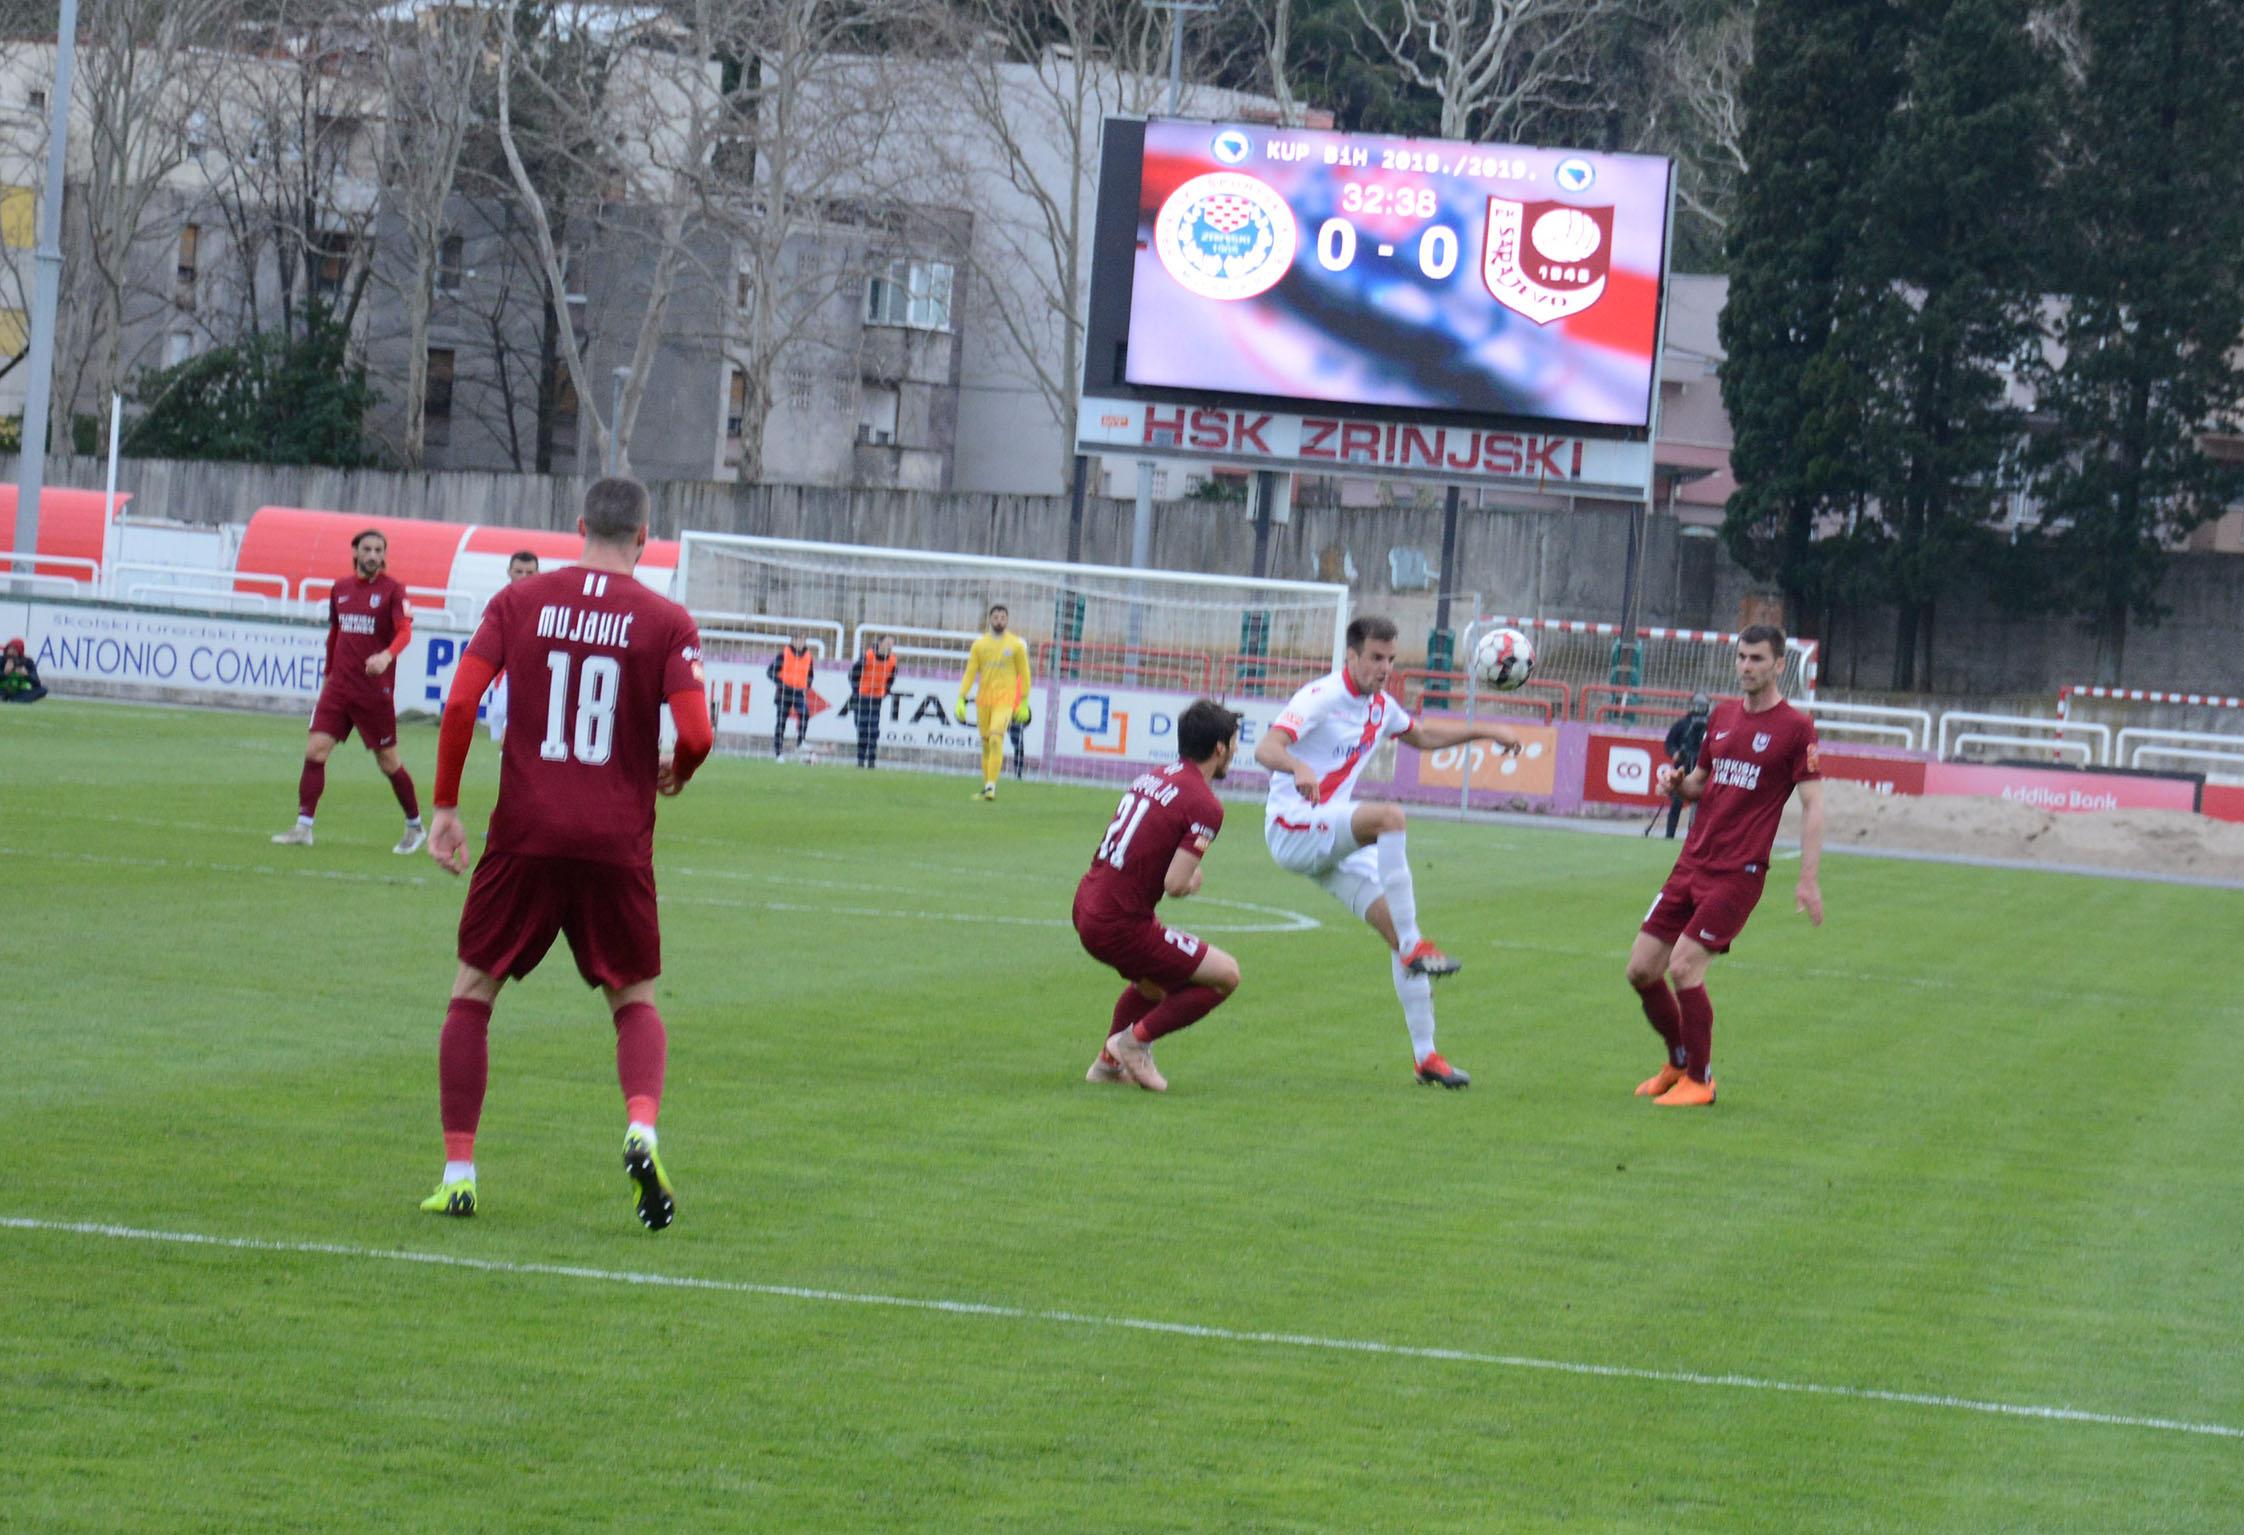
997, 674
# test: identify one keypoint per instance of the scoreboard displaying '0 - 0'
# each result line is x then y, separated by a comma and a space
1381, 275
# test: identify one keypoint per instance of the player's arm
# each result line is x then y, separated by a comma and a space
966, 681
447, 840
1021, 692
1808, 896
1686, 787
1274, 751
334, 633
1183, 878
1432, 735
380, 661
685, 689
697, 737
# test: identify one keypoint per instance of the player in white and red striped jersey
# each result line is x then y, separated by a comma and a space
1315, 752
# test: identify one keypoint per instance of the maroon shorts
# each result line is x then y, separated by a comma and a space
372, 715
516, 903
1708, 908
1141, 948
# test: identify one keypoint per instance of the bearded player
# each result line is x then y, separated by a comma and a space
369, 624
1162, 829
1315, 752
1756, 752
590, 657
997, 674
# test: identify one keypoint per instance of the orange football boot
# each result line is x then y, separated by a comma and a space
1688, 1094
1659, 1082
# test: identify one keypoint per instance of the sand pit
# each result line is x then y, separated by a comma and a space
2162, 842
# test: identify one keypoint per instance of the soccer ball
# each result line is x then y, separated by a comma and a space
1503, 658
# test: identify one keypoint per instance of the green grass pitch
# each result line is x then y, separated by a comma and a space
1978, 1139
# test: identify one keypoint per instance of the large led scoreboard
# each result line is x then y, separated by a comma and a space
1293, 298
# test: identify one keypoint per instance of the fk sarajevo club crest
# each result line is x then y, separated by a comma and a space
1546, 260
1225, 235
1760, 743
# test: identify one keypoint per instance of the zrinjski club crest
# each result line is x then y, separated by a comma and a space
1546, 260
1225, 235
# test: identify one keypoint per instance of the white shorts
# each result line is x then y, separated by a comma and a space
1321, 843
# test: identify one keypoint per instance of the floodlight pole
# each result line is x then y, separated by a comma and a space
31, 469
1176, 43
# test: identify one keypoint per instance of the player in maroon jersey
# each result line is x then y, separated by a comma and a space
369, 624
590, 657
1756, 752
1152, 848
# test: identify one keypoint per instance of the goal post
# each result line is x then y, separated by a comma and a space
1115, 653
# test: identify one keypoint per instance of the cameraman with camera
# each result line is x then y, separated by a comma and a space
1684, 738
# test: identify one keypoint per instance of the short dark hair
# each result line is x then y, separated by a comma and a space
362, 537
523, 554
999, 607
614, 509
1764, 634
1202, 727
1369, 626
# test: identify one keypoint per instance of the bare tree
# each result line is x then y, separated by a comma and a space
1697, 114
1037, 78
1496, 66
288, 167
429, 64
661, 114
816, 191
142, 69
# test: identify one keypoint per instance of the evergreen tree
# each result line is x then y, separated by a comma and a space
1803, 299
270, 398
2150, 207
1953, 302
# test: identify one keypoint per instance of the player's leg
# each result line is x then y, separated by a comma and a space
311, 783
1138, 998
1647, 973
1213, 981
392, 764
1382, 828
1686, 968
463, 1074
992, 728
616, 936
642, 1056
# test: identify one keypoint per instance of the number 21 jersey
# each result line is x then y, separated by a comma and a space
589, 657
1162, 811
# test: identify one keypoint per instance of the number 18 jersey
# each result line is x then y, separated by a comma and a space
589, 656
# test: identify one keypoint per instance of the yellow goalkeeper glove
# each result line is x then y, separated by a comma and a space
962, 706
1021, 715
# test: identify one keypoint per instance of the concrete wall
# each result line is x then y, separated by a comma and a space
1545, 562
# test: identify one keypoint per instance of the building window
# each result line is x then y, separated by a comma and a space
741, 294
451, 264
736, 412
437, 408
876, 416
913, 293
179, 348
330, 266
38, 100
190, 246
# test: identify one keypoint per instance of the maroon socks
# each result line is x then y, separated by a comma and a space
309, 787
463, 1072
1698, 1031
1180, 1009
401, 784
1665, 1017
642, 1051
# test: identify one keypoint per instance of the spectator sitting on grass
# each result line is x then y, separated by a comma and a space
19, 676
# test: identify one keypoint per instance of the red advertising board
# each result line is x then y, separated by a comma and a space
1620, 770
1887, 775
2223, 800
2059, 790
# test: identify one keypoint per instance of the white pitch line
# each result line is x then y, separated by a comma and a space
1286, 1340
1294, 921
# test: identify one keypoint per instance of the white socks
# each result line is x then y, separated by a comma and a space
644, 1132
455, 1171
1402, 899
303, 820
1416, 994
